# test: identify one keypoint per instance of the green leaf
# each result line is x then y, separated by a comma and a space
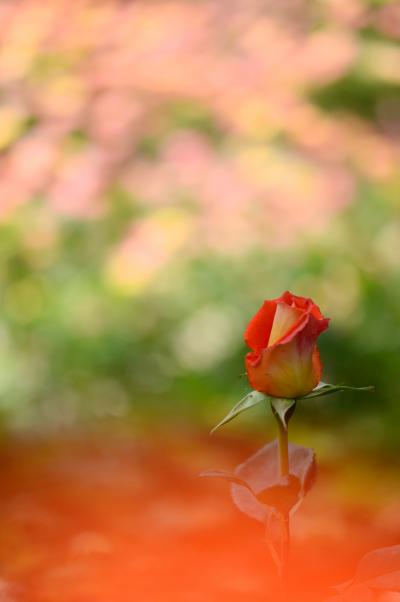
244, 404
326, 389
283, 409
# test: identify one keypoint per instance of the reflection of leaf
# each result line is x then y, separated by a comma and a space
246, 403
326, 389
227, 476
356, 593
261, 472
377, 570
281, 496
380, 569
274, 532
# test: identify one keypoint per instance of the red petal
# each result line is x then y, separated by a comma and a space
286, 319
258, 330
257, 334
302, 303
292, 367
316, 312
317, 365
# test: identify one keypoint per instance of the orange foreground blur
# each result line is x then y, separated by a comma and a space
110, 519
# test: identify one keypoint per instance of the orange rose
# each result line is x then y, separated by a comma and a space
285, 361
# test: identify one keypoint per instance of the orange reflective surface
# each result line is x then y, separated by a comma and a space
90, 518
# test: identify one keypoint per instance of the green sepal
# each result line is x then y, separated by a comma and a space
283, 410
326, 389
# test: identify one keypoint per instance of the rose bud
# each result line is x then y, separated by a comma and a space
285, 361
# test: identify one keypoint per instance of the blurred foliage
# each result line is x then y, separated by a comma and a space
165, 166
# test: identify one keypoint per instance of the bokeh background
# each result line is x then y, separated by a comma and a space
164, 167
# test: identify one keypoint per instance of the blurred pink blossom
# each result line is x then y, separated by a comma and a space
196, 107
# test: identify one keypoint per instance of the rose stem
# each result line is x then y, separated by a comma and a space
283, 449
283, 439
